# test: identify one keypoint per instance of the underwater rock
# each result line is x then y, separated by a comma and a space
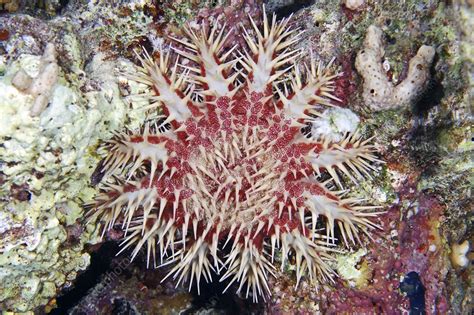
334, 124
17, 233
353, 4
353, 269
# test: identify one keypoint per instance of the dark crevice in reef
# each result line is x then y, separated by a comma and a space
98, 173
430, 98
424, 143
122, 307
228, 303
100, 264
424, 151
432, 95
103, 261
414, 289
62, 5
294, 6
424, 137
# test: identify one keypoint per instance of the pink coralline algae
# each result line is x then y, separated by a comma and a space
225, 178
393, 261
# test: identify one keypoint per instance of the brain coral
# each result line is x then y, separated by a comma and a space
226, 176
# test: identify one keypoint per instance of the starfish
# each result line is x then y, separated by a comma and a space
225, 177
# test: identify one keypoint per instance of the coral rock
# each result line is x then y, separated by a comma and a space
459, 254
353, 4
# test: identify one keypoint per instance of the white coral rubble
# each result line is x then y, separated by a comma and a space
353, 4
334, 123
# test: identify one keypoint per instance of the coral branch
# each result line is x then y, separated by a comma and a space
379, 92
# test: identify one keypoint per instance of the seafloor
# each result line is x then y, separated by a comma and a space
61, 97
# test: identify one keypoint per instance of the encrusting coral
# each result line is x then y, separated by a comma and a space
227, 176
379, 93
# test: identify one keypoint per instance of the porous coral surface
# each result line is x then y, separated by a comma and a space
233, 177
46, 161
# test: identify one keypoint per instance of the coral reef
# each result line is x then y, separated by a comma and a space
47, 162
33, 262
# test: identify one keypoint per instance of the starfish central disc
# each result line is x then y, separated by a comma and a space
236, 177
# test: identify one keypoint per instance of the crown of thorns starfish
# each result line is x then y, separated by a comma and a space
233, 180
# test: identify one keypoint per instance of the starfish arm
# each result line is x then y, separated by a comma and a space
248, 265
192, 263
350, 214
120, 202
352, 156
269, 52
213, 75
308, 92
312, 258
168, 84
130, 151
